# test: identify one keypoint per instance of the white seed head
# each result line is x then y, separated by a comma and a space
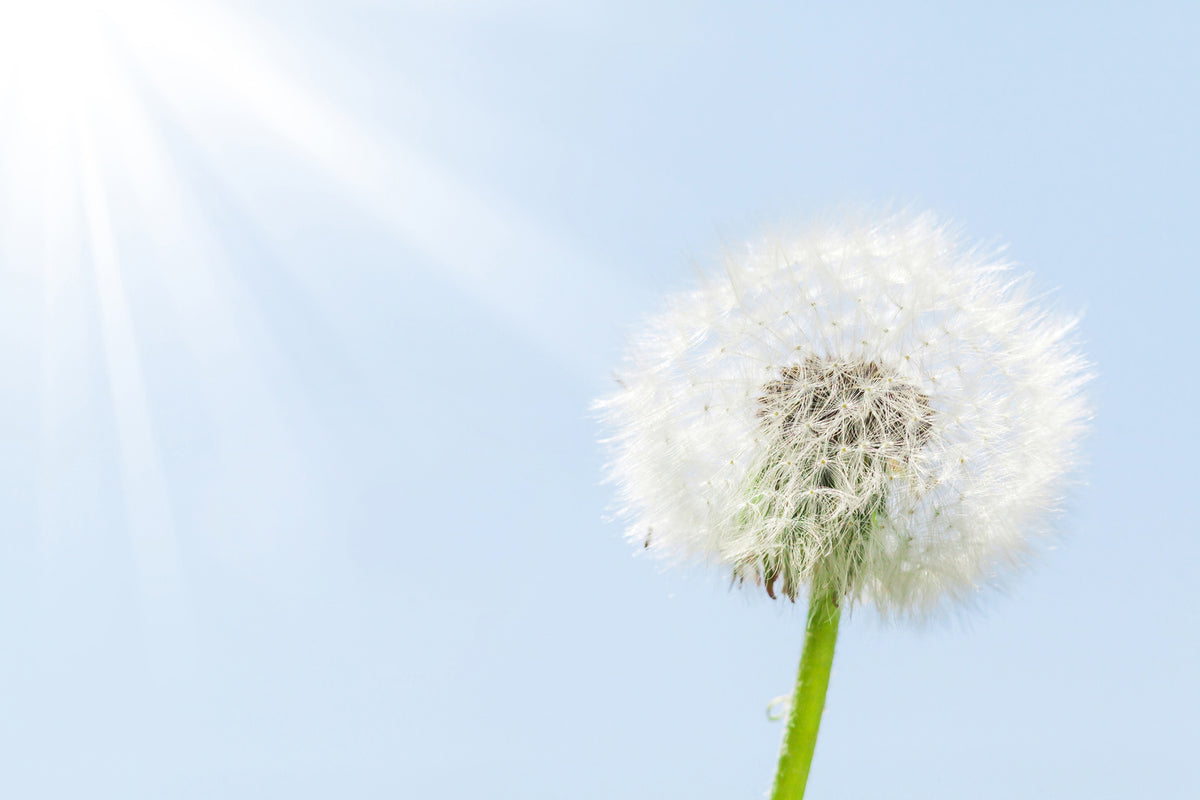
872, 407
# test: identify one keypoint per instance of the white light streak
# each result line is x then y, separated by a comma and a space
87, 178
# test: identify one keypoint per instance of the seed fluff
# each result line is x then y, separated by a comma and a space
875, 408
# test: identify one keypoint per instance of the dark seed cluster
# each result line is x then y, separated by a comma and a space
846, 403
836, 432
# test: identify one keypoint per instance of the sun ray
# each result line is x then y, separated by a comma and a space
148, 508
502, 259
97, 209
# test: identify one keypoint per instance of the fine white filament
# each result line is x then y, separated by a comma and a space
874, 406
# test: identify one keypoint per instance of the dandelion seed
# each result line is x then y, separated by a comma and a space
851, 468
851, 417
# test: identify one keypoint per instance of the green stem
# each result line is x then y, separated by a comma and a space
809, 699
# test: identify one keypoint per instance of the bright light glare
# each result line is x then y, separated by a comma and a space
55, 61
95, 209
64, 92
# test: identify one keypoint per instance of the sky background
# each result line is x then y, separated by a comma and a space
302, 308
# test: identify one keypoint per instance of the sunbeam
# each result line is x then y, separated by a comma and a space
93, 209
97, 209
148, 512
504, 261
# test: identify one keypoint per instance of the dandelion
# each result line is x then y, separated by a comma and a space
875, 413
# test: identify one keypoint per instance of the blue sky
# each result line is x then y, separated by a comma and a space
302, 308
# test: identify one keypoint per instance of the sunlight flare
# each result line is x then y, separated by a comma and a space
128, 130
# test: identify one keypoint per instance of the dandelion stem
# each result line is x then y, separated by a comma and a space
808, 701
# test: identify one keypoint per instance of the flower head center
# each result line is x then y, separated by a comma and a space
831, 408
838, 432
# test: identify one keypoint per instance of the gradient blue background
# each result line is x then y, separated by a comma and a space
395, 577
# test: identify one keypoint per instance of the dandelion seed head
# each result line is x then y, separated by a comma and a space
899, 417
